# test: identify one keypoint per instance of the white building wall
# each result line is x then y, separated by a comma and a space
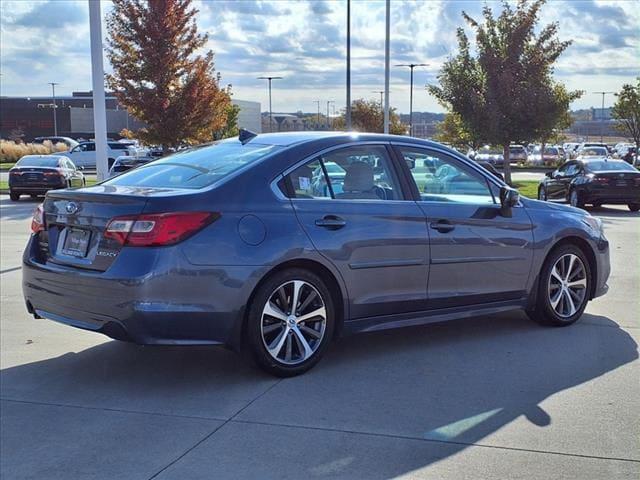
249, 117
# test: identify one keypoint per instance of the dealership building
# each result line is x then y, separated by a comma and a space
33, 116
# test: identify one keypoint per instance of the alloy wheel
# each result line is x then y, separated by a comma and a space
567, 285
293, 322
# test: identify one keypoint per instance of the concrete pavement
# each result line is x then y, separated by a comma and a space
488, 398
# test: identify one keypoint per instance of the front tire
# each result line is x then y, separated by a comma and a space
290, 322
634, 207
575, 199
564, 287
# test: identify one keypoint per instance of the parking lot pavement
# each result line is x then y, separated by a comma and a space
488, 398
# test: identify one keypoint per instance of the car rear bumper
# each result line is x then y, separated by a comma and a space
42, 188
144, 297
611, 197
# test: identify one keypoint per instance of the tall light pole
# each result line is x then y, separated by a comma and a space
318, 117
328, 123
411, 66
54, 106
270, 112
381, 92
387, 57
348, 111
602, 114
97, 78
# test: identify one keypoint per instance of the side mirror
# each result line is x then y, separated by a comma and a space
509, 197
549, 174
81, 168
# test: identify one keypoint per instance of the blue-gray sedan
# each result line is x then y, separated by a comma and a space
281, 242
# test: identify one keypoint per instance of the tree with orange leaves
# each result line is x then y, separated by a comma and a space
158, 74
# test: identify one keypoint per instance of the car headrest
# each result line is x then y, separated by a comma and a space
359, 178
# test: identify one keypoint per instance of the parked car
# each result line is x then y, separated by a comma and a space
517, 153
229, 244
595, 182
551, 156
37, 174
126, 162
493, 155
84, 154
584, 145
570, 148
596, 152
69, 142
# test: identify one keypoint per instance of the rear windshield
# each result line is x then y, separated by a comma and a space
609, 166
194, 168
594, 152
37, 162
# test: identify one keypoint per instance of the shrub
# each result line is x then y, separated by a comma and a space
11, 151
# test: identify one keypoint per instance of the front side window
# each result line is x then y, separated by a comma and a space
351, 173
441, 178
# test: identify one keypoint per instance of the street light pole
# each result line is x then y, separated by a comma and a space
411, 66
387, 57
97, 79
348, 111
53, 97
318, 117
270, 111
328, 123
602, 115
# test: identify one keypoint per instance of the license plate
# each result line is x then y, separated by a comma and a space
622, 183
76, 242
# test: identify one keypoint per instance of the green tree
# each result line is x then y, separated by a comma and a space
158, 74
505, 93
453, 132
626, 111
368, 116
230, 128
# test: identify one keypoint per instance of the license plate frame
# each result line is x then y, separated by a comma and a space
76, 242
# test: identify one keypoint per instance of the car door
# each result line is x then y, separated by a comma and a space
359, 218
74, 174
557, 186
478, 252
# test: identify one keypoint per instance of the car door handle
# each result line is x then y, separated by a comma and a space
443, 226
331, 222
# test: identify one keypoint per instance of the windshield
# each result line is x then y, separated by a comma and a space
37, 162
602, 166
194, 168
594, 152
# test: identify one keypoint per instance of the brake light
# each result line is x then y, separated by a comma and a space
15, 172
37, 221
157, 229
598, 180
56, 173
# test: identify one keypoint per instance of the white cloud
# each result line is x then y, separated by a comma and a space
43, 41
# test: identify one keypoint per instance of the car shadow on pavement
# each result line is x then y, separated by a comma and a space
452, 384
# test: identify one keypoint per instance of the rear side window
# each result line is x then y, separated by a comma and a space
118, 146
194, 168
350, 173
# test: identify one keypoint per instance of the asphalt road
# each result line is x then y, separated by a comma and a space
484, 398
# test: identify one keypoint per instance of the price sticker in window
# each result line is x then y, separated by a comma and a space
305, 183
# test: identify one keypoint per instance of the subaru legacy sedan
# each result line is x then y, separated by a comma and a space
253, 243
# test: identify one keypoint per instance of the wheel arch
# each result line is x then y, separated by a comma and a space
338, 295
584, 246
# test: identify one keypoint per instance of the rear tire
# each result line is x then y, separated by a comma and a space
542, 194
280, 343
14, 196
634, 207
564, 287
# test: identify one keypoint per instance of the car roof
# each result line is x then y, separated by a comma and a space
286, 139
43, 156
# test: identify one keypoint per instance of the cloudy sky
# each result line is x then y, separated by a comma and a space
304, 42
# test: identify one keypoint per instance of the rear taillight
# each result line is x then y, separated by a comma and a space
157, 229
17, 173
57, 173
37, 222
598, 180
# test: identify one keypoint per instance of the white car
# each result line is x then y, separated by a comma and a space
84, 155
